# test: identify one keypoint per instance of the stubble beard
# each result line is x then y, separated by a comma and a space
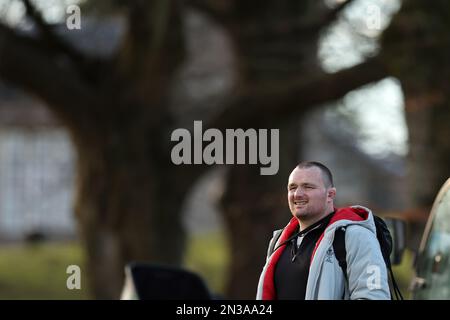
309, 214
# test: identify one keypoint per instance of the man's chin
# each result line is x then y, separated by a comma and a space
300, 214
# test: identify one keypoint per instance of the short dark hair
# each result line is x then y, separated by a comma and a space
326, 173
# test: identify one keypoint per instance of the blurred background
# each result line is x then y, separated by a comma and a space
90, 92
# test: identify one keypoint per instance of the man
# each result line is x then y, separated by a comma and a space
301, 264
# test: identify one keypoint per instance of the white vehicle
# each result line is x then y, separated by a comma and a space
432, 264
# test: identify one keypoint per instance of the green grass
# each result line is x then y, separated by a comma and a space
208, 255
39, 271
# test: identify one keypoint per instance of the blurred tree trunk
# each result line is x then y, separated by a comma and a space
128, 200
129, 193
415, 48
265, 41
429, 155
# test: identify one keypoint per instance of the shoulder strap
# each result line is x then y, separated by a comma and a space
339, 249
341, 255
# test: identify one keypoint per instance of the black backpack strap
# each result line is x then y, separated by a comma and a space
339, 249
341, 255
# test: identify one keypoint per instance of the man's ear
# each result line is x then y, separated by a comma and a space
331, 193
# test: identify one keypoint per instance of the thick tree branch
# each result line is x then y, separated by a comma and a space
335, 12
221, 12
53, 40
313, 30
26, 63
326, 21
262, 107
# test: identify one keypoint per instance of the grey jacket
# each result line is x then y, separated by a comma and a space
366, 269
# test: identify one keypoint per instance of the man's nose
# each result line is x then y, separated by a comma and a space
298, 192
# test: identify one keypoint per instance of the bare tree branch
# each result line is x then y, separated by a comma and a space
220, 11
52, 39
270, 105
334, 13
28, 64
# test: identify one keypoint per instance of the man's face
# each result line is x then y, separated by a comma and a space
308, 197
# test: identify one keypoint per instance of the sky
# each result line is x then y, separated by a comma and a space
13, 11
378, 108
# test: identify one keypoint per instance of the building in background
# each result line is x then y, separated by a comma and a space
36, 171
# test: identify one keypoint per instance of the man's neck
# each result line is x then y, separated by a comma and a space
305, 224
